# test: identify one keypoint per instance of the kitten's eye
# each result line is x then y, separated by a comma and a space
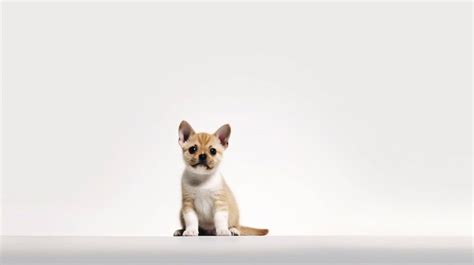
193, 149
213, 151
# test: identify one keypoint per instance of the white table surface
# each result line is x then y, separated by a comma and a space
270, 249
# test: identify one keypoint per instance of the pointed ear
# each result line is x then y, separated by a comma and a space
185, 131
223, 133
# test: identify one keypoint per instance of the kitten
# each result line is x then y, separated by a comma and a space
208, 205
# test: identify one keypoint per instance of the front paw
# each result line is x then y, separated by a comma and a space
234, 231
223, 232
191, 232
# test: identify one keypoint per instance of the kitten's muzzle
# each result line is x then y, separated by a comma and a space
202, 160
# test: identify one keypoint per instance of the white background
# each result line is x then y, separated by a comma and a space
348, 119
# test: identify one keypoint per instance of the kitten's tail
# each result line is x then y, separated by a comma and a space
250, 231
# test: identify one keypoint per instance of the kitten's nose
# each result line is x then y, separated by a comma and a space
202, 157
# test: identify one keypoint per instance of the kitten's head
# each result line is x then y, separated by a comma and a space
203, 152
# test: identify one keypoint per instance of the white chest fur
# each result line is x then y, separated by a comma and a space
204, 206
203, 195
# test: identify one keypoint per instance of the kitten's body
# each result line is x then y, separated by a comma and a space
207, 195
208, 205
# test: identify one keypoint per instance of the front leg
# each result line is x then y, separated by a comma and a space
191, 222
190, 218
221, 222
